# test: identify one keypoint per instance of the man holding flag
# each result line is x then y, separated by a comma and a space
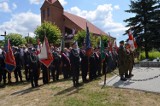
91, 58
130, 48
9, 58
46, 58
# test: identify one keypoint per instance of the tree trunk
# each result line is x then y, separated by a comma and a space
146, 51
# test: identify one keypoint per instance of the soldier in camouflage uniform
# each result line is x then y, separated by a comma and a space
122, 61
129, 62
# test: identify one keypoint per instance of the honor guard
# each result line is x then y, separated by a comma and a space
75, 62
66, 64
122, 61
55, 66
130, 61
84, 64
17, 71
34, 64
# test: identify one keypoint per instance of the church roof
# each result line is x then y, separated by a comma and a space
81, 22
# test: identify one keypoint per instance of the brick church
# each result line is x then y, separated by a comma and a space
68, 23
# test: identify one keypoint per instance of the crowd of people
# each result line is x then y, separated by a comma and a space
72, 63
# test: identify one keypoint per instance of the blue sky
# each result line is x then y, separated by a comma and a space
23, 16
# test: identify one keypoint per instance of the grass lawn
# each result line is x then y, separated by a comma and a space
63, 94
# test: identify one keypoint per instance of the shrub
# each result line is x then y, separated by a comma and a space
152, 55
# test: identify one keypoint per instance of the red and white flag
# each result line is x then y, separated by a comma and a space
110, 46
131, 41
115, 45
38, 47
45, 56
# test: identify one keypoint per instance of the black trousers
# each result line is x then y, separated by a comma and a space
55, 72
27, 72
92, 72
34, 77
45, 75
84, 68
104, 67
17, 72
3, 75
66, 71
75, 74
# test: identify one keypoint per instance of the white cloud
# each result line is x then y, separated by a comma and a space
63, 2
4, 7
14, 6
22, 23
116, 7
35, 1
102, 17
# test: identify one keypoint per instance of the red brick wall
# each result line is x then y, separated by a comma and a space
55, 15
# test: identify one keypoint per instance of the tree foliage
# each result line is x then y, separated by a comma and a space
31, 40
105, 40
51, 31
80, 37
145, 24
15, 39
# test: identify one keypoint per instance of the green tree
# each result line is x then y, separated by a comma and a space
104, 40
31, 40
15, 39
143, 23
80, 37
1, 42
51, 31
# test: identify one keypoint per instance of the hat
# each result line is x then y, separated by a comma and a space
121, 42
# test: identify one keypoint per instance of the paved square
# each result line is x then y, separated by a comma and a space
146, 79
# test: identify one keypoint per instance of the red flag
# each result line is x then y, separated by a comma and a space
110, 46
9, 58
46, 56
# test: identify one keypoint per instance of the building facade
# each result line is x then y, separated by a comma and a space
68, 23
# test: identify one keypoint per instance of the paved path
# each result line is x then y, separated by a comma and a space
146, 79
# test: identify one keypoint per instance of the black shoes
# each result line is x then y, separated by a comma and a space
123, 79
131, 75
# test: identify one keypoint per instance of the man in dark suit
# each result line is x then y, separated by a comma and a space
34, 64
75, 62
84, 64
55, 65
17, 71
2, 68
26, 63
66, 63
